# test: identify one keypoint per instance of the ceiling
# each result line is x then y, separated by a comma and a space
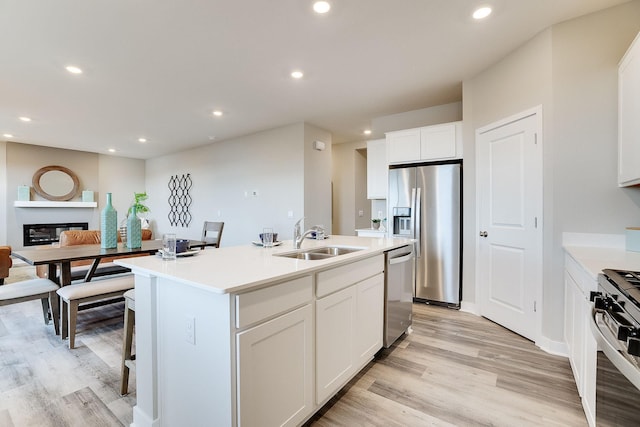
156, 69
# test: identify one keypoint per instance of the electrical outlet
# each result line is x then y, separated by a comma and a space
289, 214
361, 213
190, 329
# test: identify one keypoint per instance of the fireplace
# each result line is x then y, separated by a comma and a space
46, 234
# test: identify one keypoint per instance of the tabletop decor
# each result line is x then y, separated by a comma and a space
134, 231
180, 200
109, 226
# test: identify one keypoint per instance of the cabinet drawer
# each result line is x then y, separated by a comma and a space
333, 280
255, 306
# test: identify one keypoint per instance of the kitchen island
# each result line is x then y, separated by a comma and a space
239, 336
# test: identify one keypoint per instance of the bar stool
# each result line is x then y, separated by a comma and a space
128, 360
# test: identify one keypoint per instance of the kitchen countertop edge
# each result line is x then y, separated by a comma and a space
237, 269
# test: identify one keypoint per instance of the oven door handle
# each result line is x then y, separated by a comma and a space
630, 370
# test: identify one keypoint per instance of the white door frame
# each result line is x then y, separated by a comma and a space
537, 111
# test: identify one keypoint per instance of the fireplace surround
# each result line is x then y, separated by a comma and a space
46, 234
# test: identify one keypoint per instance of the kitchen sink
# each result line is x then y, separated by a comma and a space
333, 250
319, 253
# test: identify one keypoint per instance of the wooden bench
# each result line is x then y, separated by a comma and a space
99, 290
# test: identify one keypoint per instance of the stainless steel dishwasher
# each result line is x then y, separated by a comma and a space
399, 279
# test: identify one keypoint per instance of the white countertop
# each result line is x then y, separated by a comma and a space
595, 259
240, 268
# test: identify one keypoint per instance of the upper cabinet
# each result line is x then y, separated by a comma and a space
377, 169
628, 113
438, 142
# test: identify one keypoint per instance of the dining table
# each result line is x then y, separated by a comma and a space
62, 256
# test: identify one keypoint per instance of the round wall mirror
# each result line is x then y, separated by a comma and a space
56, 183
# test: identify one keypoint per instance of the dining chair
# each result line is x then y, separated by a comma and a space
29, 290
212, 233
128, 359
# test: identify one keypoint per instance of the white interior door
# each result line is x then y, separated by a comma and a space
509, 263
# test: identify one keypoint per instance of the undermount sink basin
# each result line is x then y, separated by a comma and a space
319, 253
333, 250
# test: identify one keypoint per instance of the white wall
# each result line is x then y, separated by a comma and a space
317, 178
571, 70
3, 193
344, 187
272, 163
445, 113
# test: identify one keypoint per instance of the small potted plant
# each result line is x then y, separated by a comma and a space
141, 212
376, 223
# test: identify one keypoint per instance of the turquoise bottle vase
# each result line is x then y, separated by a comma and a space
109, 226
134, 230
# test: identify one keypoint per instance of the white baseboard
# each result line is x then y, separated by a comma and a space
469, 307
558, 348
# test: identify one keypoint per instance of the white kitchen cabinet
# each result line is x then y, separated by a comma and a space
403, 146
349, 322
369, 322
349, 333
429, 143
628, 113
377, 169
581, 345
438, 142
275, 355
335, 332
275, 376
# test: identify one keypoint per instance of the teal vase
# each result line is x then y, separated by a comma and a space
109, 226
134, 230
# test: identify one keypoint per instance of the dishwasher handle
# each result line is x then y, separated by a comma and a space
401, 259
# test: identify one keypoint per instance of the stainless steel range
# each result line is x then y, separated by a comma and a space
616, 327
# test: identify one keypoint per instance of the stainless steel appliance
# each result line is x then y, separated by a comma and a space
615, 324
425, 204
398, 287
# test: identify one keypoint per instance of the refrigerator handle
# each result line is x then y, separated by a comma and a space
415, 218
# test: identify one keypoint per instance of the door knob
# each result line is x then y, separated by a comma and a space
483, 234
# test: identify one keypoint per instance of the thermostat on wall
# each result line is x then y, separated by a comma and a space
318, 145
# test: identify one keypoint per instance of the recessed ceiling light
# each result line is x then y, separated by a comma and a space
321, 6
112, 150
217, 113
367, 132
482, 13
8, 135
25, 119
142, 139
212, 138
73, 69
297, 74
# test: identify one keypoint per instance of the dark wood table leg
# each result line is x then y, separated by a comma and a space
92, 270
53, 273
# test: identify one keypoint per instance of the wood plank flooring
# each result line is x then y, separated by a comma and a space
454, 369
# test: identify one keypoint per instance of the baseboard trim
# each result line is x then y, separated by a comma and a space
469, 307
558, 348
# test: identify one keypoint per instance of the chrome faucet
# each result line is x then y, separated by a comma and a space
298, 236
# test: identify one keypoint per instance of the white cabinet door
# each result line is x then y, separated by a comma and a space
438, 142
403, 146
377, 169
628, 113
369, 318
275, 371
574, 328
335, 331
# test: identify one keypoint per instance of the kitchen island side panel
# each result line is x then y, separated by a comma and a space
196, 358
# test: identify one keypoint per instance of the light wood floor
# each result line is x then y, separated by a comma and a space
454, 369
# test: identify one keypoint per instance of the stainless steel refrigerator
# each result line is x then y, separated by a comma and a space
425, 204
